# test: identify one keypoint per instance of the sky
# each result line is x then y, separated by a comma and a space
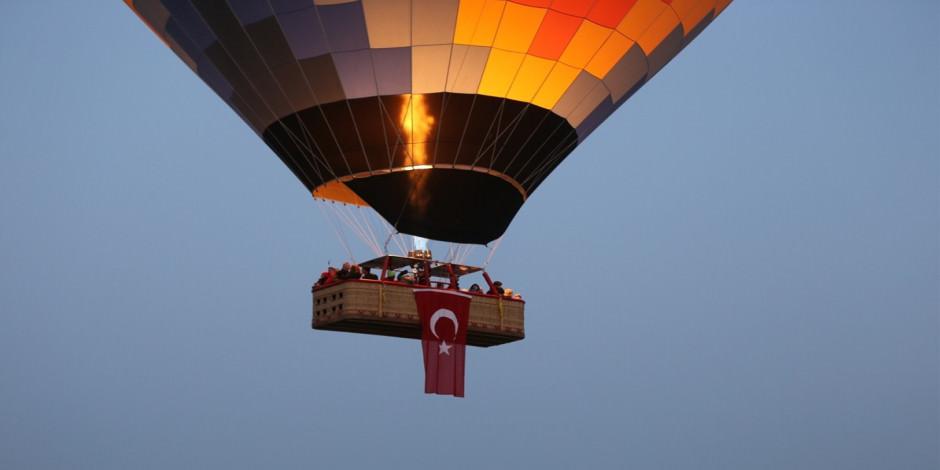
739, 269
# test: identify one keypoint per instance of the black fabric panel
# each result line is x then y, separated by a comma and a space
454, 205
267, 37
365, 134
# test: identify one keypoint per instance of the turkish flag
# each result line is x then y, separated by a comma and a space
445, 315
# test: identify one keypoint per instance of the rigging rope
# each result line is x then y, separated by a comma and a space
336, 230
493, 249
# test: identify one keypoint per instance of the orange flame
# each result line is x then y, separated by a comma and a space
417, 123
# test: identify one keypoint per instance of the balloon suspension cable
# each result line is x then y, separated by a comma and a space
351, 222
335, 229
390, 235
364, 229
492, 251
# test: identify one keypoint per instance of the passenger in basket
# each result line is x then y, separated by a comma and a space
355, 272
327, 276
367, 274
423, 278
497, 289
475, 288
345, 272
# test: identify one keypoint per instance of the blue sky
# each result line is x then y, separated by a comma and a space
739, 269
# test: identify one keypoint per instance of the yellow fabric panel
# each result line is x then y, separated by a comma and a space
429, 68
557, 83
532, 74
609, 54
477, 21
518, 26
339, 192
640, 17
388, 22
500, 71
466, 67
692, 12
658, 31
585, 43
433, 21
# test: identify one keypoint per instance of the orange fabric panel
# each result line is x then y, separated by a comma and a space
585, 44
534, 3
339, 192
517, 27
557, 83
609, 54
609, 12
501, 69
720, 6
529, 78
692, 12
661, 27
477, 21
640, 17
554, 34
572, 7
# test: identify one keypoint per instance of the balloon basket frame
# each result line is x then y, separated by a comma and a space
388, 309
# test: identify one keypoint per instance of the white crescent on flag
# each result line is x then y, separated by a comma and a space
443, 313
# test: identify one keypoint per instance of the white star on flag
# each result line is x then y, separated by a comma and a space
444, 348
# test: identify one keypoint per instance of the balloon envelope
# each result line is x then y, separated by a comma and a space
442, 115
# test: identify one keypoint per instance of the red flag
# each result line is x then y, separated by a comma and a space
444, 315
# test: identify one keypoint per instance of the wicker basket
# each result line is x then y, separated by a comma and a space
373, 307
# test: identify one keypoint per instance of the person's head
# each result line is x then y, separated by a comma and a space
475, 287
366, 270
497, 284
346, 266
331, 270
355, 268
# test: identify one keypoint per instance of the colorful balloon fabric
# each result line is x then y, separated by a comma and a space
442, 115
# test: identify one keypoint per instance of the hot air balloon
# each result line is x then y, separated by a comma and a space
440, 116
